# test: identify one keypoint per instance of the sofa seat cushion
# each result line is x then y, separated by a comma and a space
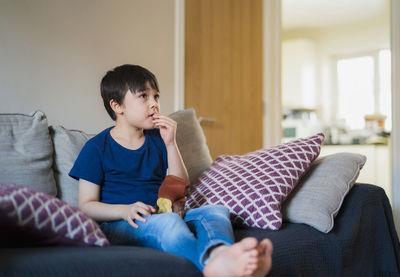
26, 152
93, 261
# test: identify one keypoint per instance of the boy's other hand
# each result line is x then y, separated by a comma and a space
167, 127
136, 211
178, 207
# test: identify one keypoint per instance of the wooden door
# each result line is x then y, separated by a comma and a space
223, 72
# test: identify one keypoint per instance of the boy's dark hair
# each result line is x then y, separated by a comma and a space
119, 80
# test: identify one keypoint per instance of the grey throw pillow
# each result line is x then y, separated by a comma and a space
67, 146
191, 143
318, 197
26, 151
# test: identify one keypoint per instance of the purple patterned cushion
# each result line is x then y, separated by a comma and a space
30, 217
253, 186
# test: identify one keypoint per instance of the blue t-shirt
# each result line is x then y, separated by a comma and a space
125, 176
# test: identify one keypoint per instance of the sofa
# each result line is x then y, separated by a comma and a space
325, 223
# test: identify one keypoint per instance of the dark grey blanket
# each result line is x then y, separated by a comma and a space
363, 242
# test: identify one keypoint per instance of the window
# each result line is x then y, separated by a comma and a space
364, 88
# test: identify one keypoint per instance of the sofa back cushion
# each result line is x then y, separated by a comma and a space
320, 194
191, 143
67, 145
26, 151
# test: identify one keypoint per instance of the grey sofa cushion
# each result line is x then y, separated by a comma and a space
318, 197
67, 145
26, 151
191, 143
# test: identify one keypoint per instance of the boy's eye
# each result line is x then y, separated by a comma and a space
143, 95
157, 96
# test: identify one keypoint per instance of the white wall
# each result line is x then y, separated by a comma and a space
53, 54
298, 73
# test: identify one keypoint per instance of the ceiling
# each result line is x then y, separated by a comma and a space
298, 14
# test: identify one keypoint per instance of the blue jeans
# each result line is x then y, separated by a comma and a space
190, 238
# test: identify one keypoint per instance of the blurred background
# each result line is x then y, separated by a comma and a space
336, 78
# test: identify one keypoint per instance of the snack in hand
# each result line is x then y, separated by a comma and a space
164, 205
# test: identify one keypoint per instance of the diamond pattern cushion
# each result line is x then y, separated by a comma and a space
253, 186
30, 218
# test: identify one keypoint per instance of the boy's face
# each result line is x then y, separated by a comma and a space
139, 107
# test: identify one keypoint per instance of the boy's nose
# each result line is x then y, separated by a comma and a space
153, 103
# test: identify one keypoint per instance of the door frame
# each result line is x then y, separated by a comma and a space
272, 103
395, 135
179, 55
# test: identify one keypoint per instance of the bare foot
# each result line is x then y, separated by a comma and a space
265, 249
240, 259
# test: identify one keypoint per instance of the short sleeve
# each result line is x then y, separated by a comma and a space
89, 164
159, 142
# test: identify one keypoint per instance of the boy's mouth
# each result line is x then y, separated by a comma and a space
153, 114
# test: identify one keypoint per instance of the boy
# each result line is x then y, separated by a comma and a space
121, 169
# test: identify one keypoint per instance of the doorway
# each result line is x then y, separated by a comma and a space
336, 79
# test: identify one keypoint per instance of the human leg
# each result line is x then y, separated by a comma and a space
166, 232
221, 257
246, 258
211, 226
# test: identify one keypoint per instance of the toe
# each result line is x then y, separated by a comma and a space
253, 253
248, 243
269, 247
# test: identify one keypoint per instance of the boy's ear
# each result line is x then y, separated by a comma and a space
116, 107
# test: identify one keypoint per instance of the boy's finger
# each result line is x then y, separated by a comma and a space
132, 223
142, 207
141, 219
149, 208
166, 121
165, 118
145, 211
164, 124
